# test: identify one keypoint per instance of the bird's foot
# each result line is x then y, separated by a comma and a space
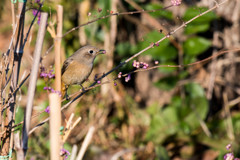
67, 97
83, 89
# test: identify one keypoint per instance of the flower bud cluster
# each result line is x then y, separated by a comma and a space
45, 74
176, 2
128, 78
52, 90
137, 64
47, 110
120, 75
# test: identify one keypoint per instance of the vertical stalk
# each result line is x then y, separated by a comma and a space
55, 123
57, 44
33, 79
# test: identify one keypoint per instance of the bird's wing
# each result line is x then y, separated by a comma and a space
66, 64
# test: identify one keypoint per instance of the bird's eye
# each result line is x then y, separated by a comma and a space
90, 51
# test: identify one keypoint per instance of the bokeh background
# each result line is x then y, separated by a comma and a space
164, 113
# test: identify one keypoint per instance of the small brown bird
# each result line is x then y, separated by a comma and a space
77, 68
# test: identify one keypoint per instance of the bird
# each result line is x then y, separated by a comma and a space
77, 68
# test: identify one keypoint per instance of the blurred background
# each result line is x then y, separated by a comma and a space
164, 113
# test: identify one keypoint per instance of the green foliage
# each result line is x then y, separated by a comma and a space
194, 11
236, 123
189, 59
159, 14
161, 153
167, 69
40, 85
94, 34
167, 83
197, 105
105, 6
164, 123
19, 117
164, 52
201, 24
123, 48
192, 29
195, 90
2, 4
181, 116
196, 45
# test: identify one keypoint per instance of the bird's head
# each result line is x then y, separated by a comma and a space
88, 53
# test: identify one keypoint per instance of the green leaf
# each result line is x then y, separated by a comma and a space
163, 52
163, 124
161, 153
236, 122
170, 117
40, 84
123, 49
187, 59
19, 115
105, 6
167, 83
199, 108
167, 69
185, 127
195, 90
161, 13
92, 32
100, 36
176, 101
196, 28
153, 37
168, 53
153, 109
194, 11
196, 45
183, 74
197, 105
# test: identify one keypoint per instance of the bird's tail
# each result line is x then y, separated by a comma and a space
63, 89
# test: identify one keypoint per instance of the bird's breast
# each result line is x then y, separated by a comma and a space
76, 73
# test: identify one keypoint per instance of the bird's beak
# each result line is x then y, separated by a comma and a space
101, 51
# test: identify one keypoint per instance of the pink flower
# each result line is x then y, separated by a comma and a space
64, 153
176, 2
38, 14
47, 110
228, 156
128, 78
229, 146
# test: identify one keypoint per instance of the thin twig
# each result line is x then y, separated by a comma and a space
107, 16
29, 29
14, 92
74, 152
86, 142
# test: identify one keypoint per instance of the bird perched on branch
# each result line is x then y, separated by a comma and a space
77, 68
